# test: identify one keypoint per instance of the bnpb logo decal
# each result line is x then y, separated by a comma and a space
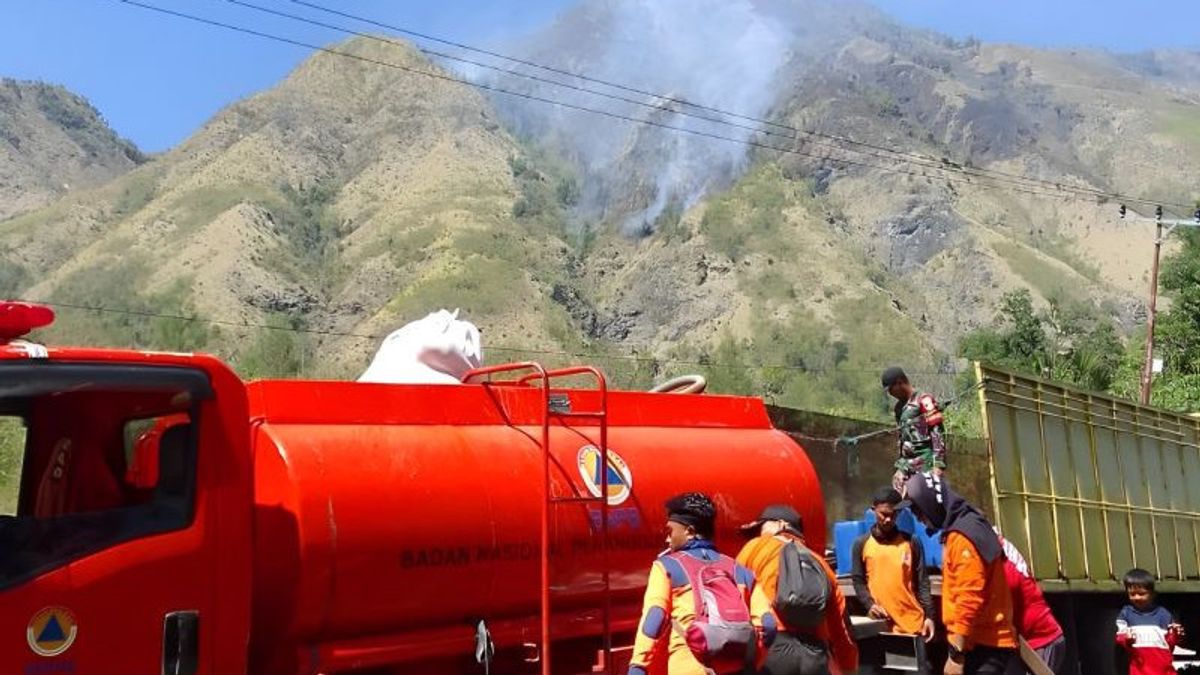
51, 631
620, 480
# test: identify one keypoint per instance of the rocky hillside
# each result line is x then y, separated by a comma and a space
348, 199
50, 142
810, 236
354, 197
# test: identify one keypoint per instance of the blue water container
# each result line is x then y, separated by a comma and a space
933, 546
844, 534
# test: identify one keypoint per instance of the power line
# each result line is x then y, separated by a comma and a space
146, 314
533, 97
851, 442
486, 87
597, 111
923, 159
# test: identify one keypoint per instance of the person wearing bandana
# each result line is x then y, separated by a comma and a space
669, 608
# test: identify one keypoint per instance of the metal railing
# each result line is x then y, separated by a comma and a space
548, 412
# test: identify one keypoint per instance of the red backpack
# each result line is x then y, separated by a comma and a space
721, 636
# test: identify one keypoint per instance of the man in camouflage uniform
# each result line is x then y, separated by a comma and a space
919, 422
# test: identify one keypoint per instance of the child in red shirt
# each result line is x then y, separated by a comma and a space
1146, 630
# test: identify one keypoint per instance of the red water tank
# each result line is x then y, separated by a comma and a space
391, 518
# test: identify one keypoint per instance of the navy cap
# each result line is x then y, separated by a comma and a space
892, 376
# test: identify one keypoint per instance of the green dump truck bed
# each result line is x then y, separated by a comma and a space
1089, 486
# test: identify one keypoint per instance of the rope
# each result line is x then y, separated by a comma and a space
853, 441
850, 443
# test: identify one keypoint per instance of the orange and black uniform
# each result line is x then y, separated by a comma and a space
668, 600
891, 572
762, 556
976, 602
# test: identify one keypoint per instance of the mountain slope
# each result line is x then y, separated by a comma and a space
950, 244
346, 200
353, 198
50, 142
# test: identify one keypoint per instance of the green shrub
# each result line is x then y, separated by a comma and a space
568, 191
110, 285
749, 217
64, 109
13, 279
137, 189
274, 353
669, 223
883, 103
12, 450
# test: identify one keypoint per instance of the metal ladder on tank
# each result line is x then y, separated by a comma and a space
548, 413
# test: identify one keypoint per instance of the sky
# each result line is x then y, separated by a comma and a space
156, 78
1117, 25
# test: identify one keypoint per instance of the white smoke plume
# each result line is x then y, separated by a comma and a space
719, 53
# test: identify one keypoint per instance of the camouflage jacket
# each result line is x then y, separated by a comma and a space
921, 435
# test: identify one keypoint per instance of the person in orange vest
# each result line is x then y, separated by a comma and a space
793, 650
701, 608
888, 569
976, 603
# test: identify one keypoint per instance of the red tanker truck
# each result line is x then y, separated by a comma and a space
172, 518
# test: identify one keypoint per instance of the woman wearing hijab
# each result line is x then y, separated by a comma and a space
976, 604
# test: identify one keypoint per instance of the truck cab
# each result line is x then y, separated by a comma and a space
125, 516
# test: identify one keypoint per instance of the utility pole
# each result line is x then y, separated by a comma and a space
1148, 362
1159, 236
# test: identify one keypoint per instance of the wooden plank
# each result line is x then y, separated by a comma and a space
1032, 661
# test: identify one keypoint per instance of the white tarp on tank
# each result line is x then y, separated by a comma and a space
438, 349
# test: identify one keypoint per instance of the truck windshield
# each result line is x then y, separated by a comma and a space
91, 456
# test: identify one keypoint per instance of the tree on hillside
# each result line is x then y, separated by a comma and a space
1017, 341
727, 370
1178, 333
1069, 341
1087, 350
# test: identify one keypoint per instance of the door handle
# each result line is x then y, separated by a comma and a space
181, 643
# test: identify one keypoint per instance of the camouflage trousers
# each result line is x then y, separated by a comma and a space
907, 467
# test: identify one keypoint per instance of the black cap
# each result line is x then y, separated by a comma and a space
887, 495
892, 376
775, 512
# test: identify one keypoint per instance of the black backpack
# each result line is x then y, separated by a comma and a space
804, 588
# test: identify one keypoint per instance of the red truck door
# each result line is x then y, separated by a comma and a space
111, 559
